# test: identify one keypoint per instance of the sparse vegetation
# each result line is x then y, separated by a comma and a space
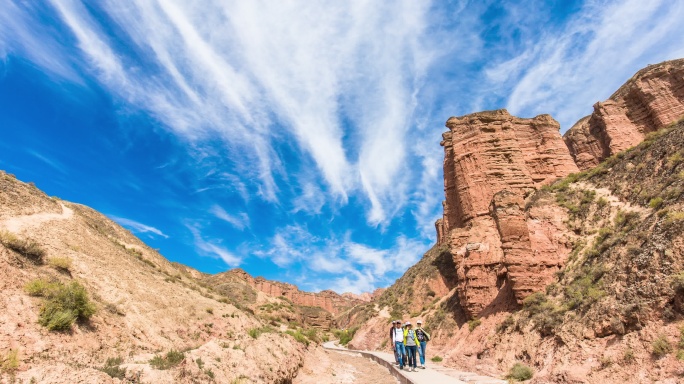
256, 332
586, 288
60, 263
436, 359
678, 283
661, 346
544, 313
170, 360
63, 304
628, 356
656, 203
113, 369
346, 335
507, 323
25, 247
474, 323
10, 363
520, 372
605, 361
210, 311
298, 336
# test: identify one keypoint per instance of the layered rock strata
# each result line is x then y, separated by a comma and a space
328, 300
650, 100
492, 161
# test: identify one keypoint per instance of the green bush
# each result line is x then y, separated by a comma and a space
520, 372
256, 332
661, 346
112, 368
40, 287
656, 203
171, 359
544, 313
27, 248
474, 323
298, 336
312, 335
62, 305
347, 335
436, 359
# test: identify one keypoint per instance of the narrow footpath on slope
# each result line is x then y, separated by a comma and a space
18, 223
433, 374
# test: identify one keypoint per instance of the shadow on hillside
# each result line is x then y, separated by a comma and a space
503, 302
444, 262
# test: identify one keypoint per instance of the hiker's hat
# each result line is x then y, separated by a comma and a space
408, 323
397, 321
419, 322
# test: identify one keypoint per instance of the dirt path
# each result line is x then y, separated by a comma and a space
331, 367
18, 223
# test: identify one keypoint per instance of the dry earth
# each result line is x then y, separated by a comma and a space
332, 367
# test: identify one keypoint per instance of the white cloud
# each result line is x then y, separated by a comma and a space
339, 77
352, 266
137, 227
239, 221
598, 51
211, 248
37, 43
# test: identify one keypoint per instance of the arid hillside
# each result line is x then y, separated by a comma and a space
83, 300
577, 275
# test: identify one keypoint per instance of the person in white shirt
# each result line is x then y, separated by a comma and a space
399, 343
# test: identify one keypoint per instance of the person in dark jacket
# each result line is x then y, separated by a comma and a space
423, 338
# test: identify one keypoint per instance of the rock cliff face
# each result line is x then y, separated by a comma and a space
650, 100
492, 161
328, 300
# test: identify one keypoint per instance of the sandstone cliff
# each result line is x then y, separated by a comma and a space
650, 100
326, 299
492, 161
577, 274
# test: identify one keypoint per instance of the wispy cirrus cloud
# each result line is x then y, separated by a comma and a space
138, 227
350, 266
239, 221
209, 247
341, 80
565, 73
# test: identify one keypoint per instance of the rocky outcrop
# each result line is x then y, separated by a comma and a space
328, 300
492, 161
650, 100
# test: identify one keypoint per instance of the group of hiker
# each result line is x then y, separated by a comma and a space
408, 343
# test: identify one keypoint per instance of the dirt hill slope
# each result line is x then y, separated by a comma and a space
145, 306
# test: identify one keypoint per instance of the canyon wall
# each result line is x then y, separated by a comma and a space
650, 100
328, 300
492, 161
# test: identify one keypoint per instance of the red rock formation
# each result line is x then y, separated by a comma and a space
492, 160
328, 300
650, 100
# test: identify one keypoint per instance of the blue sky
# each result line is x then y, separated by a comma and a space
296, 140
